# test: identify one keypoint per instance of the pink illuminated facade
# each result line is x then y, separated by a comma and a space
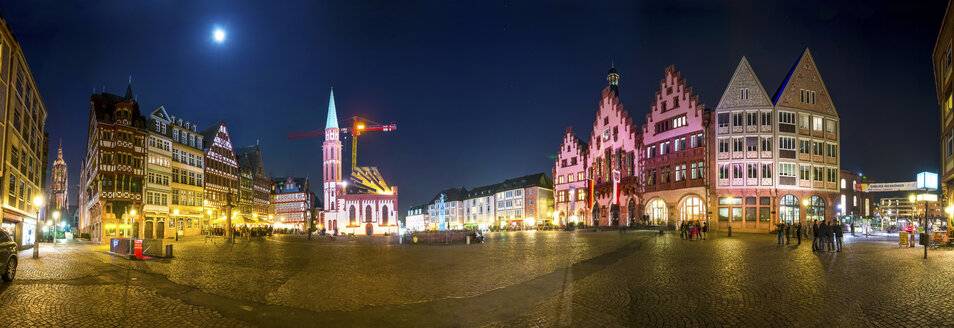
626, 174
673, 161
569, 181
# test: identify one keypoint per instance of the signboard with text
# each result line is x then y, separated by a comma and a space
888, 186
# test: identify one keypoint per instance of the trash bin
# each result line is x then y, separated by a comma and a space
169, 250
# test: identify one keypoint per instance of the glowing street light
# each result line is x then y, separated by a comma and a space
37, 202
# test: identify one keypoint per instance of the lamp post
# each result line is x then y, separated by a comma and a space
175, 218
129, 220
37, 202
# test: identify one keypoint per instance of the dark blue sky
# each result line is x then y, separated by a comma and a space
481, 91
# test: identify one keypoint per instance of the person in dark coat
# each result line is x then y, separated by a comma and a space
830, 237
822, 233
815, 235
839, 237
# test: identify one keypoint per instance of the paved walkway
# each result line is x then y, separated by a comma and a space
575, 279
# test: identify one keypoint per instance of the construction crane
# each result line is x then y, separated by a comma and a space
358, 126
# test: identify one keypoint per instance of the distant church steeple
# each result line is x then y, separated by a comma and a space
129, 94
613, 79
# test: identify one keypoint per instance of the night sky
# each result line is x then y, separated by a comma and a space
481, 90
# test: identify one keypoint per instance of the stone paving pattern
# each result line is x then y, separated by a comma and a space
538, 279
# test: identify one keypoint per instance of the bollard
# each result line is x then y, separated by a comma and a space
169, 250
730, 230
468, 240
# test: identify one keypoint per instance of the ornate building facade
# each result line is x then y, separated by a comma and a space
114, 167
758, 160
943, 66
365, 204
256, 191
221, 173
674, 158
778, 158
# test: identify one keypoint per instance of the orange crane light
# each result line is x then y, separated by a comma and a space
355, 130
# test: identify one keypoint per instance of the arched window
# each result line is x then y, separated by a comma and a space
351, 216
788, 209
367, 214
816, 209
692, 209
657, 212
384, 215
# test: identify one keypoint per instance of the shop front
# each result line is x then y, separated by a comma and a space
21, 227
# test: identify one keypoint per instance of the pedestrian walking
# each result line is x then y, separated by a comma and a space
839, 237
682, 230
705, 230
798, 232
822, 232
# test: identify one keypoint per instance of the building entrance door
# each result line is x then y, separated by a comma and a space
147, 230
160, 229
369, 229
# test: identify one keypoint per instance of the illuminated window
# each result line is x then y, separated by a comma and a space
692, 209
656, 210
817, 123
788, 209
843, 186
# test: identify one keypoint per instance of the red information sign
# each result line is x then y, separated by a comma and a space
138, 248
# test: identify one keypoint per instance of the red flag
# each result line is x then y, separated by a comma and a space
616, 178
589, 193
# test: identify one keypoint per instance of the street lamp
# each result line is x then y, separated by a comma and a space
37, 202
175, 218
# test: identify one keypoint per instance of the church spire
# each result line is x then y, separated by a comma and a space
332, 114
59, 152
129, 94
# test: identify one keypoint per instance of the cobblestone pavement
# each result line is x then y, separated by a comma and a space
576, 279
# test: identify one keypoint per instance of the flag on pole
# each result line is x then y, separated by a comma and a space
589, 194
616, 178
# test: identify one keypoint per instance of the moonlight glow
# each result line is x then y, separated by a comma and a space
218, 35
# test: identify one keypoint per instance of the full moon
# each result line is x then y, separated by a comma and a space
219, 35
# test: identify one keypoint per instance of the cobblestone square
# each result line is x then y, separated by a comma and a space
516, 279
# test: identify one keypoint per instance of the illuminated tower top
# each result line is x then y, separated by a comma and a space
332, 114
613, 79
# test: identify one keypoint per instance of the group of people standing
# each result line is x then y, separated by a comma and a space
691, 230
826, 235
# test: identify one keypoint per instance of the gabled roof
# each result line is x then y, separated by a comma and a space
160, 113
744, 77
208, 135
250, 158
804, 75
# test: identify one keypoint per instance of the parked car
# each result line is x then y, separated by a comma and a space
8, 257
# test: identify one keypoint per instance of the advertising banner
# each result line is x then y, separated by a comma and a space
887, 186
